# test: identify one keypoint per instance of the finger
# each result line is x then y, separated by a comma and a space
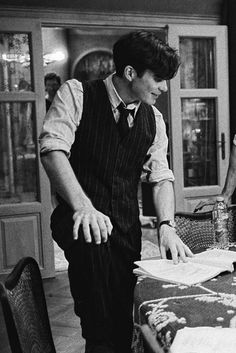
76, 227
163, 252
103, 230
182, 253
108, 225
94, 227
188, 251
174, 254
86, 231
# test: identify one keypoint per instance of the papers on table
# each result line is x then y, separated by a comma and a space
204, 340
184, 273
199, 268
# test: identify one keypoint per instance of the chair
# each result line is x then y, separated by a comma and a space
150, 342
144, 340
25, 311
196, 229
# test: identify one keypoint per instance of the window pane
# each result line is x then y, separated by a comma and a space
199, 141
14, 62
197, 69
18, 168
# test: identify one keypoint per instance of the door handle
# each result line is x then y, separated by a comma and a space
221, 144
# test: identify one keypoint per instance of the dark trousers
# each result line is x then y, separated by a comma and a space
102, 285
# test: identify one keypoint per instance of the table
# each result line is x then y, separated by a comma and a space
164, 308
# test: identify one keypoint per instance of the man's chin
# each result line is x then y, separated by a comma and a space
149, 101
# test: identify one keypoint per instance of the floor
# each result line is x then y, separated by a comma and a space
65, 325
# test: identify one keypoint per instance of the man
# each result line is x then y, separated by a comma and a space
52, 82
94, 150
230, 181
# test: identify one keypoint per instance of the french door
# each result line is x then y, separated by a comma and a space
200, 139
24, 189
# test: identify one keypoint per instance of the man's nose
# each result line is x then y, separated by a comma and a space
163, 87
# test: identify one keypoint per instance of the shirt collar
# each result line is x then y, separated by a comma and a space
114, 97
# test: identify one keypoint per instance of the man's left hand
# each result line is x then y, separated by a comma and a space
168, 239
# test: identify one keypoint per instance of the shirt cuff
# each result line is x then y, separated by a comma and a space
50, 145
158, 177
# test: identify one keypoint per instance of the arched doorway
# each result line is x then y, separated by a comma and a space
95, 65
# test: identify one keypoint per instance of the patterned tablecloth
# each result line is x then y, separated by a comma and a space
167, 307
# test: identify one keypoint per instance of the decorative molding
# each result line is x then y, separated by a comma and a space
62, 17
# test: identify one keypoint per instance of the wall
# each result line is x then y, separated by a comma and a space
55, 39
188, 7
81, 41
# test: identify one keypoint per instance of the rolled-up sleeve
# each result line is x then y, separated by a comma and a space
62, 119
156, 168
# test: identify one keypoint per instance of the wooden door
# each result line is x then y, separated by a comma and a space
200, 139
24, 189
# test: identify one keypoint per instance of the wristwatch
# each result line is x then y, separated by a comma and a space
168, 222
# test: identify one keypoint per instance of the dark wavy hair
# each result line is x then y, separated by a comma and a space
52, 76
143, 50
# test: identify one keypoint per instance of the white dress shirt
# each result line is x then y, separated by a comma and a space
63, 119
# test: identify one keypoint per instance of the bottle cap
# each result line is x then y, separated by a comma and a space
220, 198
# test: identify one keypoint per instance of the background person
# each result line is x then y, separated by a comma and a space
230, 181
94, 149
52, 82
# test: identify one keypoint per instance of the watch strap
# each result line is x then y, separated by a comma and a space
168, 222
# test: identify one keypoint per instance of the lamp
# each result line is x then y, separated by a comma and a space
52, 57
24, 59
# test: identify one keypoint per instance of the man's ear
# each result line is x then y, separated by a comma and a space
129, 73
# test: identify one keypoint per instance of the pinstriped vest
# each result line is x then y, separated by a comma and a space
107, 167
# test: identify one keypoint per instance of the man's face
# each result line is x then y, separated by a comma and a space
147, 88
51, 87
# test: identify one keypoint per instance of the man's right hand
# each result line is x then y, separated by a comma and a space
96, 226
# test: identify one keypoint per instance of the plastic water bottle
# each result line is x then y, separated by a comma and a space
220, 218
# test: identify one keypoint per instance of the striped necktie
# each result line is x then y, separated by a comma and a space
122, 124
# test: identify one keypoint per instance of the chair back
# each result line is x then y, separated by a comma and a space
25, 311
197, 231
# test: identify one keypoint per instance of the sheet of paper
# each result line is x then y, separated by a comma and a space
217, 257
204, 340
185, 273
